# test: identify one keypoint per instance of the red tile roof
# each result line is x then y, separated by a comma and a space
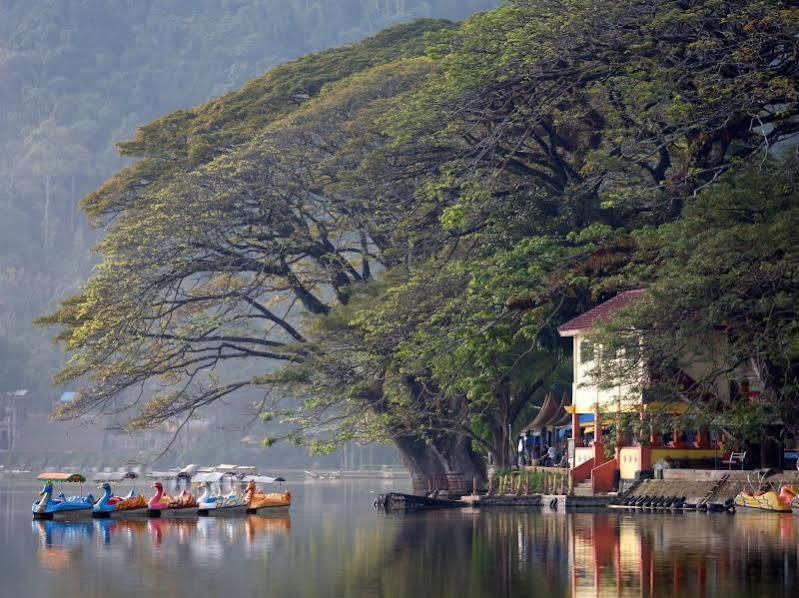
600, 313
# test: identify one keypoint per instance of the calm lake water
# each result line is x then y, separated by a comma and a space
335, 544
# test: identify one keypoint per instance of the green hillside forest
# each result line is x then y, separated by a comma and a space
378, 242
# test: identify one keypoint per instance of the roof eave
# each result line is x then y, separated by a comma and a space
574, 332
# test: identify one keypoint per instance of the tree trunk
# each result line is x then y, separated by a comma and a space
457, 457
431, 455
499, 436
420, 459
448, 454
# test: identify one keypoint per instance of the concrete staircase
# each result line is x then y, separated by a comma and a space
584, 488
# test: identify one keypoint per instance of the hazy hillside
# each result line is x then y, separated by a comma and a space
78, 76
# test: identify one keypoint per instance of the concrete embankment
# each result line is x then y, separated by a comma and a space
700, 489
707, 488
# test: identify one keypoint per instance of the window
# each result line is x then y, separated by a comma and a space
586, 351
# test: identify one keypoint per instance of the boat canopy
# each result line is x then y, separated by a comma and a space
262, 479
164, 475
114, 476
48, 476
232, 468
209, 476
188, 471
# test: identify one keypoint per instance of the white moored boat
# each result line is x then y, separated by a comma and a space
215, 503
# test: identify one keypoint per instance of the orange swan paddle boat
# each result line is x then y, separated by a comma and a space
163, 505
259, 502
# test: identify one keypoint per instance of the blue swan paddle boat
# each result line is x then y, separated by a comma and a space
117, 507
61, 507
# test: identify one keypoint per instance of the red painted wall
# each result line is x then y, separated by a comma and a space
602, 477
582, 471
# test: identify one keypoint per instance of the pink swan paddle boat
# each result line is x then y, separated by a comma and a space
163, 505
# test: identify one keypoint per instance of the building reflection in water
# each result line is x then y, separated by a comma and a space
619, 554
681, 554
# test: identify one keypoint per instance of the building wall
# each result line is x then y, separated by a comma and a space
698, 363
633, 459
585, 393
582, 454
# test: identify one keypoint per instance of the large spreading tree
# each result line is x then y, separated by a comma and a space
389, 234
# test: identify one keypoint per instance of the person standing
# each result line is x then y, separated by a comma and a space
528, 446
552, 455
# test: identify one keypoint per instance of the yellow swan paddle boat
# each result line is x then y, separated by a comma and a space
766, 498
271, 502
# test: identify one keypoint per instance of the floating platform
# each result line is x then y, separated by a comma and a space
269, 510
67, 515
408, 503
184, 513
234, 511
555, 502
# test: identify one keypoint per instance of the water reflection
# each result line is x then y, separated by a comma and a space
610, 554
335, 545
209, 536
58, 541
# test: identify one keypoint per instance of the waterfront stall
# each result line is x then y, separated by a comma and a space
548, 428
541, 427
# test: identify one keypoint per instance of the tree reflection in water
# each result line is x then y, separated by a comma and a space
341, 548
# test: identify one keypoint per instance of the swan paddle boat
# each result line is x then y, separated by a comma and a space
217, 504
766, 497
117, 507
260, 502
61, 507
163, 505
767, 500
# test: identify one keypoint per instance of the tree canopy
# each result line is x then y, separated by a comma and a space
403, 223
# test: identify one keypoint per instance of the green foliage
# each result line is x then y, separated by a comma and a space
726, 271
387, 235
